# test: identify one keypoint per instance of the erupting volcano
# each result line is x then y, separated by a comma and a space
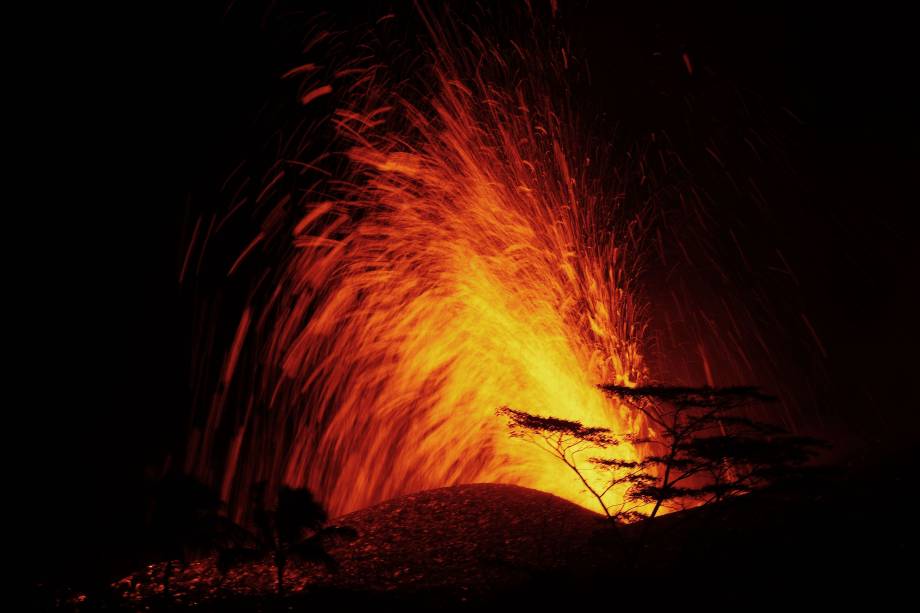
511, 305
464, 252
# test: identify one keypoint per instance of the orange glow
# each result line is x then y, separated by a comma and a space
465, 259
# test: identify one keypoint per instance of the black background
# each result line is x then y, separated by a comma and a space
166, 103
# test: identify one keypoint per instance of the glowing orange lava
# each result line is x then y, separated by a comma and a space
464, 258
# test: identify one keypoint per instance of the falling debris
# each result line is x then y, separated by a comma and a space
316, 93
687, 63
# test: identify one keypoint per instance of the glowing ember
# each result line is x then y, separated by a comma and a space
463, 259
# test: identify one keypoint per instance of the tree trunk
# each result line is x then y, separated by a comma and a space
167, 574
279, 567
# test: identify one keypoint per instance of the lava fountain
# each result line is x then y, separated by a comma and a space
465, 253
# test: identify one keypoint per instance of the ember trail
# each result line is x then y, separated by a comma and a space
465, 255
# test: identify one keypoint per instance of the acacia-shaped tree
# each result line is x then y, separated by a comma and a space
567, 440
706, 448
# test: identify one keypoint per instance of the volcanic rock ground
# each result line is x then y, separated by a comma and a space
458, 544
471, 546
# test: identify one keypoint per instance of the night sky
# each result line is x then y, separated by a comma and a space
174, 99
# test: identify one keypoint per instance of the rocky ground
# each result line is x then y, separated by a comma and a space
463, 544
848, 533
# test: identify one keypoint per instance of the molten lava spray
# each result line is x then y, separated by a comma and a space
463, 255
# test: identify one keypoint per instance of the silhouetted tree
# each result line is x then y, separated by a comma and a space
706, 449
187, 522
294, 526
566, 439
